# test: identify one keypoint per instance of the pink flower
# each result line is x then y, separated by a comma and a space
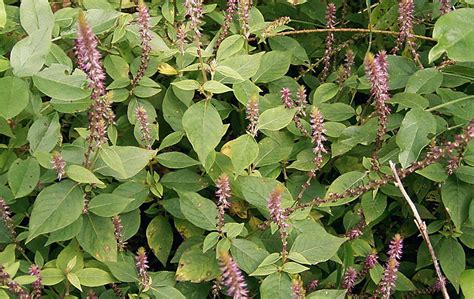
297, 289
278, 217
317, 136
330, 24
244, 16
223, 196
286, 98
349, 279
142, 265
445, 6
118, 233
144, 126
145, 38
387, 284
59, 165
5, 216
232, 277
252, 114
228, 18
38, 283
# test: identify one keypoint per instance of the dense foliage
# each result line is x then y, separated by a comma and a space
181, 149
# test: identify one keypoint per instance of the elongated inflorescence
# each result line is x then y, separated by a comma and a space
346, 70
59, 165
445, 6
118, 233
387, 285
330, 24
144, 126
274, 25
278, 217
145, 38
223, 196
286, 98
405, 23
181, 37
252, 113
5, 215
376, 69
297, 289
318, 136
13, 287
37, 285
100, 112
228, 18
349, 279
301, 100
141, 264
232, 278
244, 16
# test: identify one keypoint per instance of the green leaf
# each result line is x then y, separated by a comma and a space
3, 15
70, 259
452, 260
317, 248
402, 283
274, 65
56, 207
28, 55
327, 294
325, 92
74, 280
203, 127
97, 238
184, 180
215, 87
455, 35
286, 43
294, 268
160, 238
82, 175
170, 140
35, 14
210, 241
123, 271
424, 81
245, 65
94, 277
55, 82
131, 159
372, 206
14, 96
167, 293
410, 100
413, 135
44, 133
196, 266
467, 287
23, 176
247, 254
276, 286
186, 84
242, 151
456, 197
435, 172
344, 182
276, 118
116, 67
230, 46
176, 160
52, 276
108, 205
465, 174
336, 111
255, 190
200, 211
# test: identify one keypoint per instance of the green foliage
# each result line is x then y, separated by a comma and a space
186, 185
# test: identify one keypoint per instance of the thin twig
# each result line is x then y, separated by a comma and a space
422, 228
360, 30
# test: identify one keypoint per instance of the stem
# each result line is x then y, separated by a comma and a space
449, 103
359, 30
422, 228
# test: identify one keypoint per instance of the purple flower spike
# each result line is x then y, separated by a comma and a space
223, 196
118, 233
145, 131
297, 289
228, 18
232, 277
37, 285
387, 284
278, 217
349, 279
317, 136
244, 16
59, 165
5, 215
377, 73
445, 6
252, 113
330, 24
142, 265
145, 38
286, 98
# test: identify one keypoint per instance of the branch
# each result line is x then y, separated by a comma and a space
422, 228
359, 30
